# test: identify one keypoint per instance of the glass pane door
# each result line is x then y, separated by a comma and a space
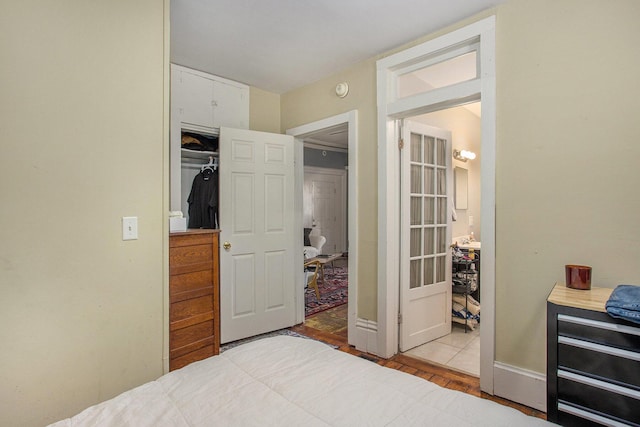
428, 216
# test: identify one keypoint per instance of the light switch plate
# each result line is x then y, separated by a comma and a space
129, 228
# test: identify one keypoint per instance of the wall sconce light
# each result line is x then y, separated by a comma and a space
463, 155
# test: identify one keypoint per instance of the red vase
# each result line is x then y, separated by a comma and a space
578, 276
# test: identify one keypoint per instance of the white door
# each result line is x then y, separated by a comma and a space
256, 233
324, 208
425, 271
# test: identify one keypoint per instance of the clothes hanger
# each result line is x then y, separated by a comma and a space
211, 166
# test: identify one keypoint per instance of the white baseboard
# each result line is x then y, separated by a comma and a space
520, 385
516, 384
367, 335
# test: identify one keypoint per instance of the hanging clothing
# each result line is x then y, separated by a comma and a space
203, 200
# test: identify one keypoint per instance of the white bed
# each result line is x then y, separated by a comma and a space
290, 381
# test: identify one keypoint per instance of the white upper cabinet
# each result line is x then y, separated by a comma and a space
204, 102
231, 105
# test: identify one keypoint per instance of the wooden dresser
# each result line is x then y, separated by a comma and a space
593, 361
194, 297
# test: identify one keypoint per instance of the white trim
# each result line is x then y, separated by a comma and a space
166, 183
351, 118
325, 171
366, 336
488, 203
426, 49
178, 67
298, 173
436, 99
520, 385
309, 143
441, 57
388, 183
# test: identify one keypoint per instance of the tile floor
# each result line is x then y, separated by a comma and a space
458, 351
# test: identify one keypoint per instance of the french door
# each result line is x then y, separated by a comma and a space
425, 271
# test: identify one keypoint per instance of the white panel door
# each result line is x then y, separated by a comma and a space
425, 271
256, 232
325, 203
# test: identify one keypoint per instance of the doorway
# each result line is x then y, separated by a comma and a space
460, 348
325, 218
344, 123
325, 197
476, 41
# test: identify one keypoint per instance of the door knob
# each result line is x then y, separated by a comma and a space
226, 245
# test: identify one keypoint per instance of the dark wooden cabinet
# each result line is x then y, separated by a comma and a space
194, 297
593, 361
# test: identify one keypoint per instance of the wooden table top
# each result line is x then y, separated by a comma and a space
325, 259
593, 299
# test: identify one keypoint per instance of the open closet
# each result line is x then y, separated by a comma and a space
200, 105
237, 185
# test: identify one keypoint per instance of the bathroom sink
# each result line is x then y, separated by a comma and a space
470, 245
465, 243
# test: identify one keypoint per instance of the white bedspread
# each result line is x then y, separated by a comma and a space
288, 381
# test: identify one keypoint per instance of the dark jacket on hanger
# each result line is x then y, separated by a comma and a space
203, 200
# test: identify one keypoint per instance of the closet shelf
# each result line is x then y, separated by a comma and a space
195, 154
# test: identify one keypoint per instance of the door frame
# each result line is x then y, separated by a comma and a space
390, 108
342, 174
351, 119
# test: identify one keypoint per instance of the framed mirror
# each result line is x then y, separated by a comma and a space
460, 184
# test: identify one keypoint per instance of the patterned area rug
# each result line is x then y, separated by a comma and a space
333, 291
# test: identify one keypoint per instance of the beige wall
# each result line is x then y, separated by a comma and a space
83, 141
567, 144
318, 101
264, 110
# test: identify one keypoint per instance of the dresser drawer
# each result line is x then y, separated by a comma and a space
190, 283
574, 416
191, 337
593, 361
190, 312
596, 360
188, 259
203, 353
194, 297
607, 333
599, 396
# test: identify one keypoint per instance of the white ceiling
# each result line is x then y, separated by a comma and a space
280, 45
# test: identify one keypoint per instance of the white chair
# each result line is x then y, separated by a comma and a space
317, 242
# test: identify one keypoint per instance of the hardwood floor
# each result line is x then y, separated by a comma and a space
331, 327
